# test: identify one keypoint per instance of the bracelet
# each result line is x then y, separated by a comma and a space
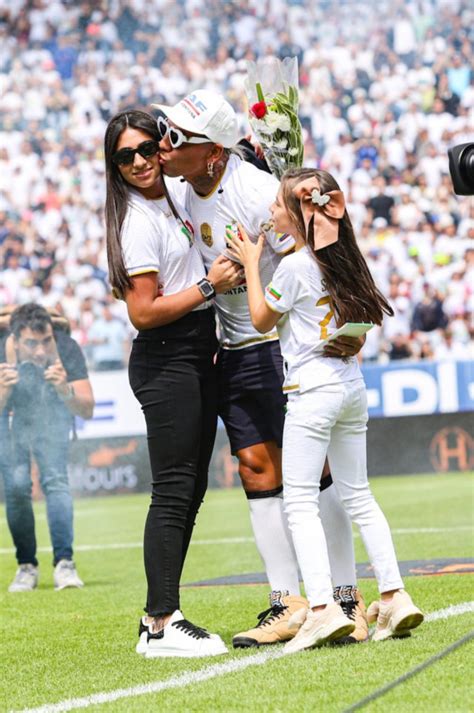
70, 394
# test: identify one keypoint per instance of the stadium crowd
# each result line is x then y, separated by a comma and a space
379, 108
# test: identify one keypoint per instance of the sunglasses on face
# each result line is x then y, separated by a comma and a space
146, 149
176, 136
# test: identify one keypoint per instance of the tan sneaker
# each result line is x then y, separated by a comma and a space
353, 606
272, 627
394, 618
319, 627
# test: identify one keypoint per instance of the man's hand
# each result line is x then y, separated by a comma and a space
8, 376
344, 346
57, 376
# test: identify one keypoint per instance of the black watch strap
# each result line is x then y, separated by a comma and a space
207, 289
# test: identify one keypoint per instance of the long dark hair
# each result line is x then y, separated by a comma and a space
116, 201
354, 294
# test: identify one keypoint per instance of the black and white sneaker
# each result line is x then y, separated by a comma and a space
143, 631
182, 639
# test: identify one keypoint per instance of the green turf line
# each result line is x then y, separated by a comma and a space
425, 664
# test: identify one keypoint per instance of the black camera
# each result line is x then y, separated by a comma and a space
31, 375
461, 168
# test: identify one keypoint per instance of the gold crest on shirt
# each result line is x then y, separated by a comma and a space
206, 234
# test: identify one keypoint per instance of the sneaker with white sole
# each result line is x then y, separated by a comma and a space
26, 579
318, 627
182, 639
353, 606
143, 631
65, 575
395, 618
272, 627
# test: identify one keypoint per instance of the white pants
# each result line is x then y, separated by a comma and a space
332, 420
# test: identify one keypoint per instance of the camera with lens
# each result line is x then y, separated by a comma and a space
31, 376
461, 168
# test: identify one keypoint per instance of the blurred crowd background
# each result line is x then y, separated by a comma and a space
386, 87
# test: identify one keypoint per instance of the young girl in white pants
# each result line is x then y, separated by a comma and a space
319, 287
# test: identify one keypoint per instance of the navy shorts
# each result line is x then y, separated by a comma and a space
251, 402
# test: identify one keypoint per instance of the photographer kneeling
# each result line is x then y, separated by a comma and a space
43, 385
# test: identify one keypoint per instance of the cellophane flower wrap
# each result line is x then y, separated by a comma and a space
271, 87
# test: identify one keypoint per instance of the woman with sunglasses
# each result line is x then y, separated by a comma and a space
156, 268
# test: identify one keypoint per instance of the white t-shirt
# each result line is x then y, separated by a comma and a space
297, 291
247, 194
153, 240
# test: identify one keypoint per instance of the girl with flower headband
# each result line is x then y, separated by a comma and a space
319, 287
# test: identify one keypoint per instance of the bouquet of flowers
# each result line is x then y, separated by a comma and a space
271, 86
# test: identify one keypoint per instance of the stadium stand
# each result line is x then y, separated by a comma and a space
380, 108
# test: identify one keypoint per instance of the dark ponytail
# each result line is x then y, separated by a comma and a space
354, 295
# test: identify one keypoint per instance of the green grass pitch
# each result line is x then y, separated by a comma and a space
72, 644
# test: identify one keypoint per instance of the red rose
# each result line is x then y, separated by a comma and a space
258, 110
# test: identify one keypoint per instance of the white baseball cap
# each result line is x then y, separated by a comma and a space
207, 113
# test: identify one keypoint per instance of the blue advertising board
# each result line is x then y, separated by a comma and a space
419, 388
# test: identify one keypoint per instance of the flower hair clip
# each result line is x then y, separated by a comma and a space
318, 199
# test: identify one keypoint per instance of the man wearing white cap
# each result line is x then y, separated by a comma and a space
219, 189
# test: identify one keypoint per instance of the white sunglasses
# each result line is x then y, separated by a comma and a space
176, 136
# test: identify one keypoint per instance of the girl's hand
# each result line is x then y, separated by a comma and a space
242, 248
344, 346
224, 274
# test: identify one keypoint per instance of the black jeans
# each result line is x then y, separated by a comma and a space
172, 375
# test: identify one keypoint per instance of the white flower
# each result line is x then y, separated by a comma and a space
260, 126
282, 144
272, 121
293, 151
277, 122
284, 123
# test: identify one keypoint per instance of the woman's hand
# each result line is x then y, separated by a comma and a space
242, 248
224, 274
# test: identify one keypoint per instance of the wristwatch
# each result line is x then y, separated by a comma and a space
207, 289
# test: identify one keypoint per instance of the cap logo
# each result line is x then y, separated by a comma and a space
193, 105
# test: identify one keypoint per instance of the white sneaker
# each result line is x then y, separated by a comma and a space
182, 639
394, 618
319, 627
26, 579
65, 575
143, 631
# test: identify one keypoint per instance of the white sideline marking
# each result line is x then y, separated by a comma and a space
156, 687
454, 610
204, 674
238, 540
135, 545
